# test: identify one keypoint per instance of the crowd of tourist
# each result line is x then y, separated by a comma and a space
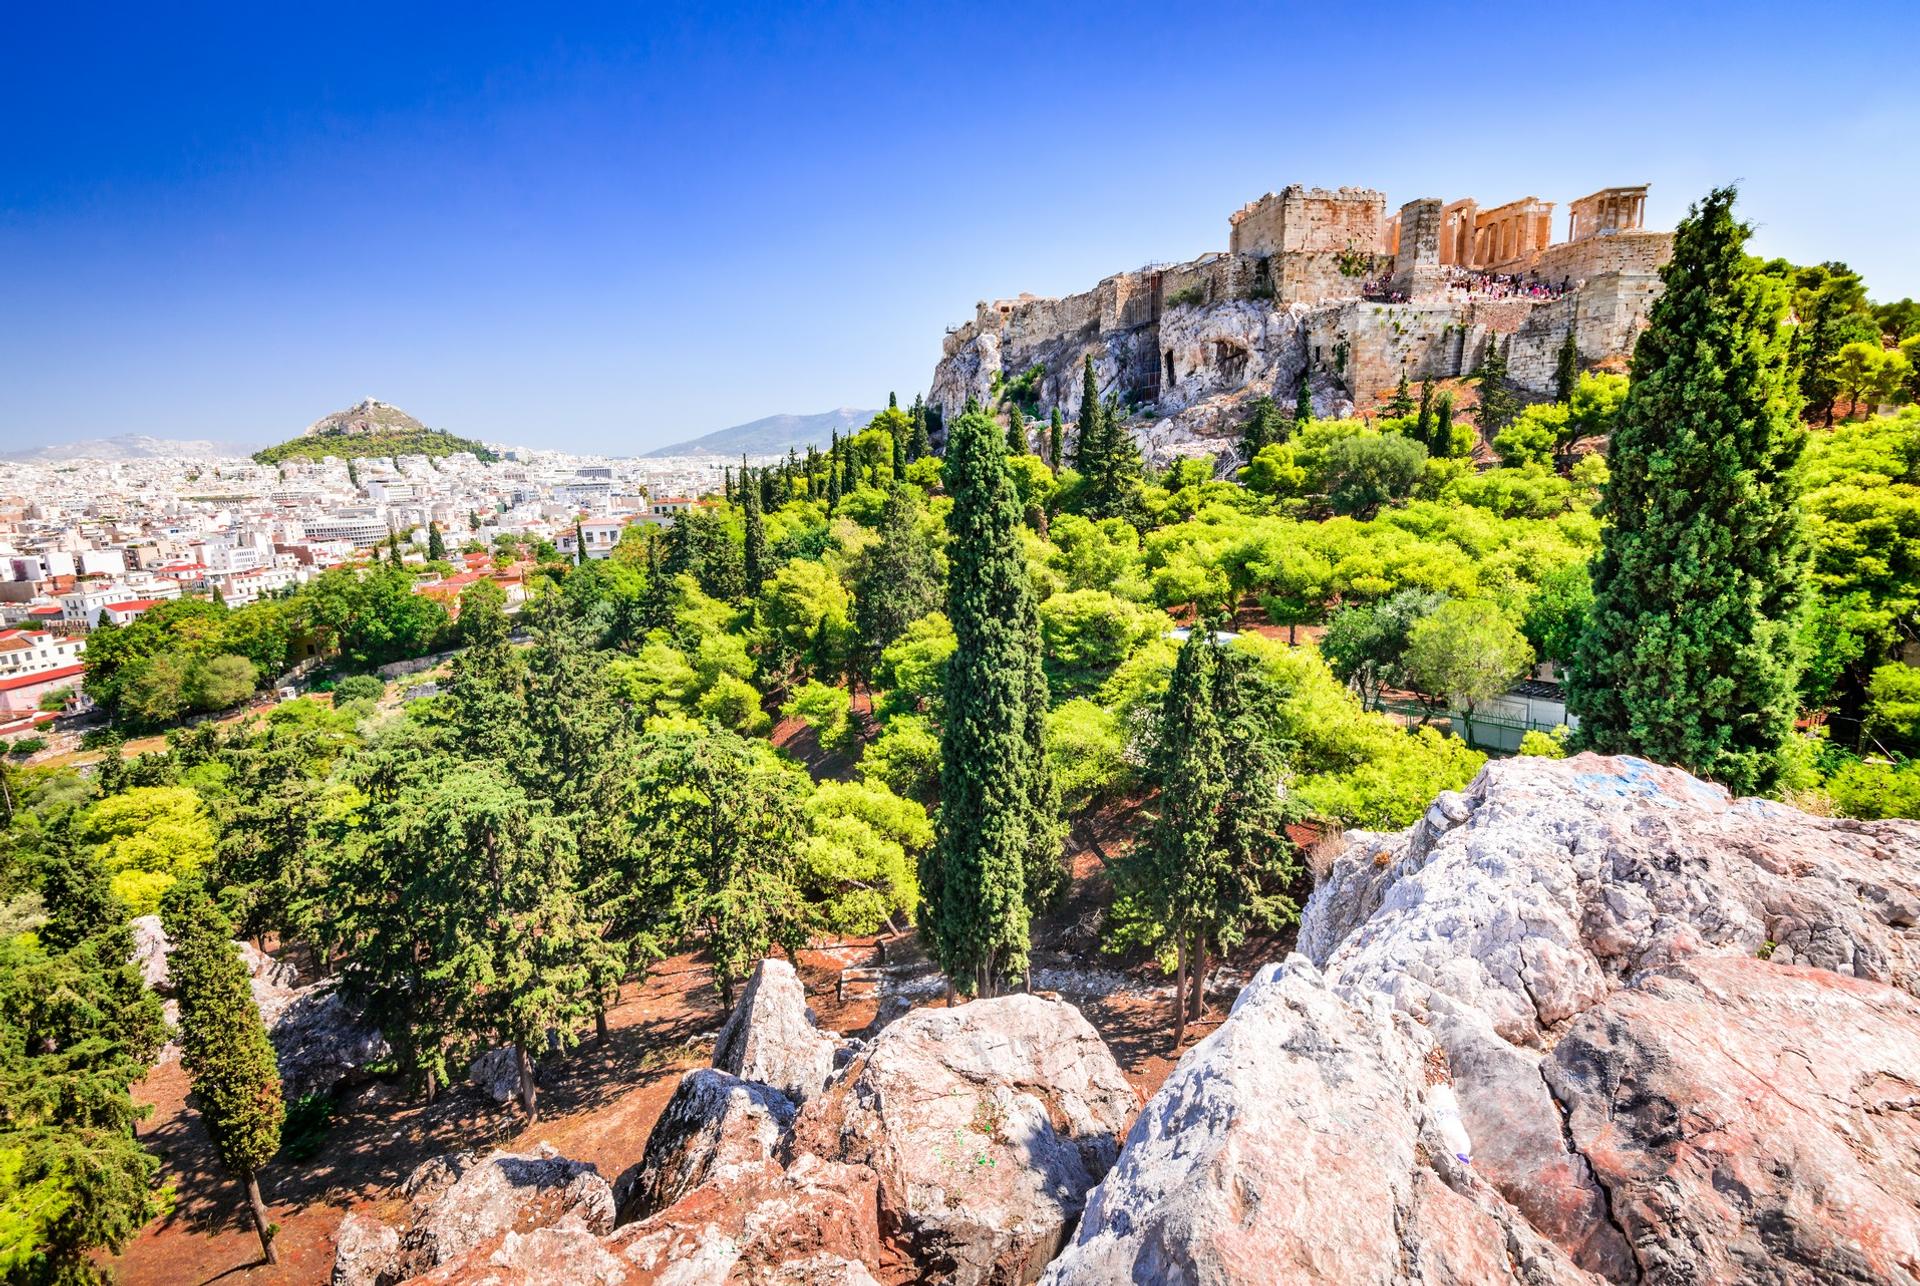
1475, 285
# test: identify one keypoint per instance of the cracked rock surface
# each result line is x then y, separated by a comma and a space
1677, 1030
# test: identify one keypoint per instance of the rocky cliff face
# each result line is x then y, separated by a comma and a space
1588, 1021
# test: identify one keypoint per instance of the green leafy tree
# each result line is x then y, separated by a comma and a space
1467, 651
436, 547
224, 1048
996, 838
1689, 654
1366, 643
896, 580
716, 822
78, 1027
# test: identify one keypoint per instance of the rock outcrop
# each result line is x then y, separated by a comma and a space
460, 1204
986, 1124
714, 1128
770, 1036
1588, 1020
366, 1253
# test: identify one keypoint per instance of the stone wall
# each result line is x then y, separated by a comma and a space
1637, 251
1416, 260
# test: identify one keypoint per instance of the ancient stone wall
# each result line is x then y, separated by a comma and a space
1637, 251
1416, 260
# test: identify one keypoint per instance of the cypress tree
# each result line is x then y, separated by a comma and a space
1820, 341
1056, 439
353, 476
1016, 431
393, 549
1566, 368
1264, 427
1302, 400
833, 474
918, 446
1441, 443
579, 542
224, 1047
893, 402
975, 881
899, 454
1423, 421
1688, 656
436, 547
726, 481
1498, 405
896, 580
756, 548
1401, 404
1086, 434
473, 520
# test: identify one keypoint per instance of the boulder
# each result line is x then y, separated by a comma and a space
770, 1036
321, 1042
806, 1225
150, 950
714, 1127
366, 1253
1548, 883
1586, 1020
274, 982
463, 1202
986, 1125
1290, 1145
568, 1253
497, 1074
1752, 1122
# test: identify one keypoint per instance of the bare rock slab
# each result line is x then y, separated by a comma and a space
770, 1036
987, 1124
715, 1127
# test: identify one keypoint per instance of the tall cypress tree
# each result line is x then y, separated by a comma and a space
899, 454
1688, 657
1086, 433
1440, 444
756, 545
223, 1046
833, 474
1423, 420
1303, 400
579, 542
1056, 439
1016, 430
1265, 426
919, 445
436, 547
1498, 405
1566, 368
975, 881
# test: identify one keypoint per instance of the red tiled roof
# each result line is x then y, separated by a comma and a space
43, 611
42, 676
134, 605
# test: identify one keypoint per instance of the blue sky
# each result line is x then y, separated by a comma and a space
610, 228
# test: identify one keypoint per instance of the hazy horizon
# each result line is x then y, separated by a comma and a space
636, 229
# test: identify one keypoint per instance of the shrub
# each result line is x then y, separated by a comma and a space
27, 746
359, 687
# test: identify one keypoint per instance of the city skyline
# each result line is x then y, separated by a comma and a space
639, 230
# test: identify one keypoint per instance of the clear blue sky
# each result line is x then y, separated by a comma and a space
619, 227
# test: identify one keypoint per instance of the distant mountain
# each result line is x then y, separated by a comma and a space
771, 434
129, 446
369, 428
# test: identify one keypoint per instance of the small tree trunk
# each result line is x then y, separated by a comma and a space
1197, 983
261, 1223
529, 1092
600, 1023
432, 1086
1180, 991
952, 994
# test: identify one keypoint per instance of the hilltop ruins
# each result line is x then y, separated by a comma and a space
1329, 285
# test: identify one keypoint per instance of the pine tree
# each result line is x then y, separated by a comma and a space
896, 580
1819, 342
756, 544
1302, 401
224, 1047
393, 549
975, 881
1016, 430
1688, 656
1566, 368
1498, 405
1400, 406
1111, 465
436, 547
1056, 439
